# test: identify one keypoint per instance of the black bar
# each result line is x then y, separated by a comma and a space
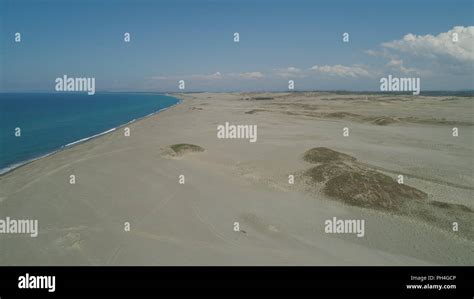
219, 282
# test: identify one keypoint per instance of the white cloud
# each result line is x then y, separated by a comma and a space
372, 52
248, 75
397, 64
430, 55
342, 71
440, 46
290, 72
293, 69
213, 76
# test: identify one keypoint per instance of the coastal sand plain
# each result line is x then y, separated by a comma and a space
136, 179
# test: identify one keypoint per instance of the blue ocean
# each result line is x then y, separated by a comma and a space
51, 121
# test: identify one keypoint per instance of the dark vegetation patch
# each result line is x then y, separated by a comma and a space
371, 189
342, 114
253, 111
258, 98
324, 154
183, 148
450, 206
351, 182
384, 120
341, 177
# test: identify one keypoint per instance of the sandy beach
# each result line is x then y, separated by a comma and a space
136, 180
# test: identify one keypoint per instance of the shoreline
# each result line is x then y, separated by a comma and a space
10, 168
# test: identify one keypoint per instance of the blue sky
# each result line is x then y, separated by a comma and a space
193, 41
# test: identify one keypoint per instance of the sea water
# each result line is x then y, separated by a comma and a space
33, 125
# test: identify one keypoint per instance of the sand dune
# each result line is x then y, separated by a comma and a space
341, 177
357, 184
132, 180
